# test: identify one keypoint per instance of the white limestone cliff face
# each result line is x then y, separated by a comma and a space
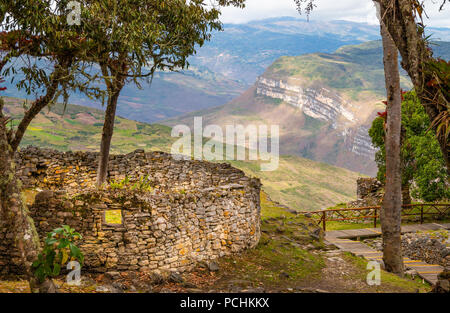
326, 105
361, 144
318, 103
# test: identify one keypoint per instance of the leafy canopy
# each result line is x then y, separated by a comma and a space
423, 165
136, 38
36, 43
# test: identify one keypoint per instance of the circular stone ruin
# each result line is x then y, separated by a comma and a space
195, 210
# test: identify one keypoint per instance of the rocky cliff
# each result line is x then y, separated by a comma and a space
326, 105
320, 103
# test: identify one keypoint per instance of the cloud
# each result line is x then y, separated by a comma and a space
350, 10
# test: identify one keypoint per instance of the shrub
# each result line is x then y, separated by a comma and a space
58, 249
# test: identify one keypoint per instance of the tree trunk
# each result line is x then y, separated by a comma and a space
408, 36
392, 201
13, 210
114, 77
108, 129
406, 193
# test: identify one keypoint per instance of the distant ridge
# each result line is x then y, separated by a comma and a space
324, 103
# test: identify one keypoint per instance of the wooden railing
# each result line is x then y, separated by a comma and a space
365, 213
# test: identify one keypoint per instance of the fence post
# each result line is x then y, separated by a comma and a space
421, 214
324, 220
375, 219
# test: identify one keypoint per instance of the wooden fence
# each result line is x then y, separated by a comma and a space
365, 213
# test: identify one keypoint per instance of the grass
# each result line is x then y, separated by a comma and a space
302, 184
388, 279
274, 263
353, 70
271, 210
278, 260
80, 128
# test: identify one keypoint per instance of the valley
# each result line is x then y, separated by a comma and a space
234, 160
324, 104
299, 183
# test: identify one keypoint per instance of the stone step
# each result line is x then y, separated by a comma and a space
343, 240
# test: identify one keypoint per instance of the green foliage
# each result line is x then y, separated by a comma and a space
423, 165
119, 184
143, 184
59, 248
38, 31
376, 132
130, 39
439, 70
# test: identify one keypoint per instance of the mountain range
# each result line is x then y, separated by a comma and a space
322, 82
230, 63
324, 104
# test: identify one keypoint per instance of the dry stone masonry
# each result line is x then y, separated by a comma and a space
369, 191
197, 211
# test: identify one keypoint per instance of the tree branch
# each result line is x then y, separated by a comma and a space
39, 104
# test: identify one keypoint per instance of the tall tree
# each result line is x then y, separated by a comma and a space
392, 202
12, 208
137, 38
430, 76
32, 33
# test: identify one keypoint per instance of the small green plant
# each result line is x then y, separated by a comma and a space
120, 184
143, 184
58, 249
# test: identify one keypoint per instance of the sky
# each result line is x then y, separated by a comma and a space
350, 10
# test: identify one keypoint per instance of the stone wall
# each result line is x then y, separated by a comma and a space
369, 191
54, 170
196, 210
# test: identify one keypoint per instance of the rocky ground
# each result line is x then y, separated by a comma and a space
432, 246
